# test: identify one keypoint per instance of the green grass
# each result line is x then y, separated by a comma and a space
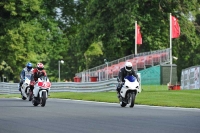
151, 95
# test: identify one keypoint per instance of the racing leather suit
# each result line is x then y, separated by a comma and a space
23, 74
122, 74
35, 75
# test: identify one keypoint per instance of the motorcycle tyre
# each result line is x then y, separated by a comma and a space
35, 102
43, 99
123, 104
132, 100
30, 95
23, 97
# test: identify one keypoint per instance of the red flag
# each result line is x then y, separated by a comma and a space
139, 36
175, 27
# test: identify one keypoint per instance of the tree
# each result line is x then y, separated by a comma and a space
114, 20
28, 31
94, 50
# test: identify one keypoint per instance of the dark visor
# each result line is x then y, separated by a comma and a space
40, 68
128, 68
29, 67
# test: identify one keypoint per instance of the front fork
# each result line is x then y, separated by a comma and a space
40, 93
127, 97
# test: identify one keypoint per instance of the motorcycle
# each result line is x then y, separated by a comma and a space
25, 88
129, 90
40, 91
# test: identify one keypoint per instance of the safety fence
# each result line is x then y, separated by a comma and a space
109, 85
110, 70
190, 78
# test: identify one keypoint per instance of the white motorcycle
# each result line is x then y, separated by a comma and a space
40, 91
129, 90
25, 88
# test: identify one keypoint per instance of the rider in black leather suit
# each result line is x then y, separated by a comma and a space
127, 70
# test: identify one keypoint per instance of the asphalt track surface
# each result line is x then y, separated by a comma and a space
68, 116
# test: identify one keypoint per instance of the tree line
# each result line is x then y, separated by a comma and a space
84, 32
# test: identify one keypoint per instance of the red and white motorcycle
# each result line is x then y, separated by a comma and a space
40, 91
25, 88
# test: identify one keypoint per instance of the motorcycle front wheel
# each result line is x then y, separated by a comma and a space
30, 95
131, 99
43, 99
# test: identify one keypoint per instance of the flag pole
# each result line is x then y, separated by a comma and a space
170, 39
135, 37
170, 47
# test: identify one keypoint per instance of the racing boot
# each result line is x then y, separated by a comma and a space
118, 95
20, 89
118, 90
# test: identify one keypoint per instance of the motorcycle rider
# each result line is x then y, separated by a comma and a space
26, 71
127, 70
37, 73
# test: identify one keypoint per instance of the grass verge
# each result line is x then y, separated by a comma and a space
151, 95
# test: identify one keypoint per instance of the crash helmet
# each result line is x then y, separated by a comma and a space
128, 66
40, 67
29, 66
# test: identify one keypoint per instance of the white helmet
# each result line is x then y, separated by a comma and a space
128, 66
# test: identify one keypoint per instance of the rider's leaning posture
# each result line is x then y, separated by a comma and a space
26, 71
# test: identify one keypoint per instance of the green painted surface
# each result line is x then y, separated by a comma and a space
150, 76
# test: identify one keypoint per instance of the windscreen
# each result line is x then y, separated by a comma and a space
28, 77
43, 78
130, 78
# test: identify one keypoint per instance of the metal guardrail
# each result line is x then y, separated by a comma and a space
8, 88
108, 85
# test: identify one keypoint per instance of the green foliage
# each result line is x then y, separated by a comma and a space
115, 21
49, 31
95, 49
28, 35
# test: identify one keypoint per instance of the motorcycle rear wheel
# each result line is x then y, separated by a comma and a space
23, 97
35, 101
122, 103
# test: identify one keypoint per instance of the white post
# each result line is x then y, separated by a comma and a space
107, 69
135, 37
170, 39
170, 48
60, 61
89, 74
106, 62
58, 71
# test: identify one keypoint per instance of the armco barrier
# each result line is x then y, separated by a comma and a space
108, 85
